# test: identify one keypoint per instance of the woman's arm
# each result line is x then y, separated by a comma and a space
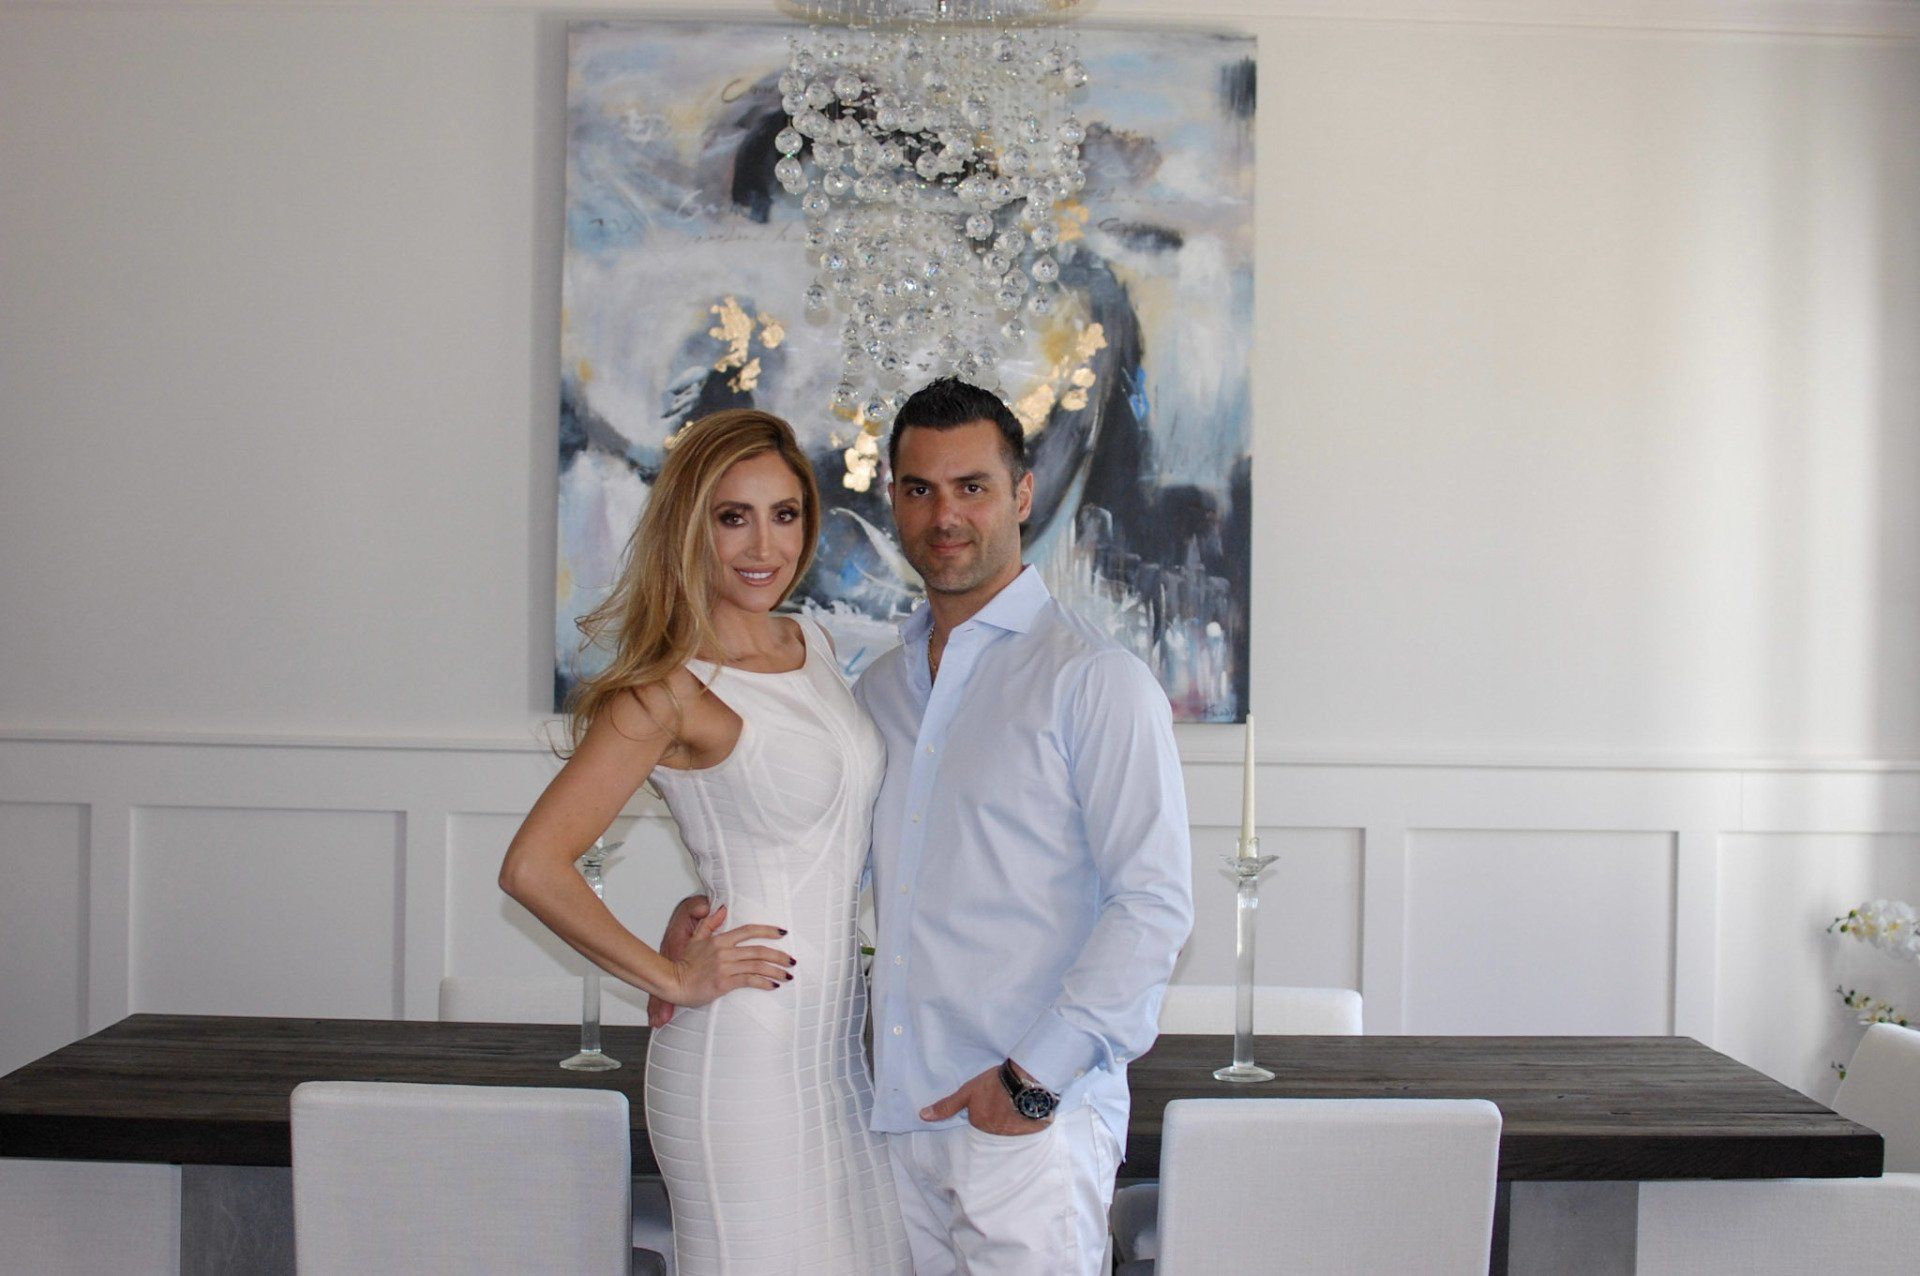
618, 753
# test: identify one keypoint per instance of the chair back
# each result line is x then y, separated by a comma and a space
394, 1177
542, 999
1327, 1186
89, 1216
1314, 1012
1882, 1092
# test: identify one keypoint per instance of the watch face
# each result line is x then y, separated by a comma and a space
1034, 1106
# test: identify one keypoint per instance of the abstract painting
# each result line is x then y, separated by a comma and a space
684, 278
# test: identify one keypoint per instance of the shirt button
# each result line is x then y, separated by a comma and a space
897, 1030
898, 960
929, 750
916, 817
903, 890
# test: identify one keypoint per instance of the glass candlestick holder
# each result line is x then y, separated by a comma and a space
591, 1058
1246, 866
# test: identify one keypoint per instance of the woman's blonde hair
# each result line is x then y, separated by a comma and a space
660, 612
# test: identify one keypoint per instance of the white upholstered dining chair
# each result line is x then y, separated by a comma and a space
89, 1216
1882, 1092
1772, 1227
399, 1177
1335, 1185
1324, 1012
556, 999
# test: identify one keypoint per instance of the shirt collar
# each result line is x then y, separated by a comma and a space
1012, 609
918, 624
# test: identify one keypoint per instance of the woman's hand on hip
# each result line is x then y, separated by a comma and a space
716, 962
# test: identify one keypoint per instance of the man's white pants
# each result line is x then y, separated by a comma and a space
979, 1204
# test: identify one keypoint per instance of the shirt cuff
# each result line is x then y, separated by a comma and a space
1057, 1054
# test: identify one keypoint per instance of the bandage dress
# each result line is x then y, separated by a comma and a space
757, 1104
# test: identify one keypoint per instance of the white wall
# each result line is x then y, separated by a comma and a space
1586, 564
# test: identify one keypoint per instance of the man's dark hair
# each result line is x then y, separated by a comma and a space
950, 402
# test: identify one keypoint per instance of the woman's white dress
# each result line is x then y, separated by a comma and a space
757, 1103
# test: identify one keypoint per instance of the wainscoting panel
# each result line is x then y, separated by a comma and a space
1309, 909
300, 876
1865, 801
1539, 931
266, 911
43, 928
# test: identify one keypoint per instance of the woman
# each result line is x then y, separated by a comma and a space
758, 1090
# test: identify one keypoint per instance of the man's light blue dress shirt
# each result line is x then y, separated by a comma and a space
1031, 868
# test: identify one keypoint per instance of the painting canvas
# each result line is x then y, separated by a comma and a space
684, 279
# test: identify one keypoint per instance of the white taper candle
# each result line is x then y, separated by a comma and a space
1246, 796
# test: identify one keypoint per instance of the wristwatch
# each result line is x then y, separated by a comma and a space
1034, 1102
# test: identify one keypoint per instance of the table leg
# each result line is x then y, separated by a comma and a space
236, 1220
1584, 1228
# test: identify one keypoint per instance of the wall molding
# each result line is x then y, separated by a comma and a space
435, 787
1200, 745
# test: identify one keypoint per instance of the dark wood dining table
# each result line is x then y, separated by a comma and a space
206, 1090
214, 1090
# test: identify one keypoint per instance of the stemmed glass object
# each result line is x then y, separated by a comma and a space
591, 1058
1247, 867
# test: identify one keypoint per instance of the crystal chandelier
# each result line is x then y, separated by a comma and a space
931, 143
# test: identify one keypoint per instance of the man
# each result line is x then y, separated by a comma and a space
1031, 869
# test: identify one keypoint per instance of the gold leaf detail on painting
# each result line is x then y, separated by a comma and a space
1072, 218
1068, 377
1032, 408
734, 328
772, 331
747, 378
863, 460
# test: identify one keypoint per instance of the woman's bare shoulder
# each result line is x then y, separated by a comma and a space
648, 714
